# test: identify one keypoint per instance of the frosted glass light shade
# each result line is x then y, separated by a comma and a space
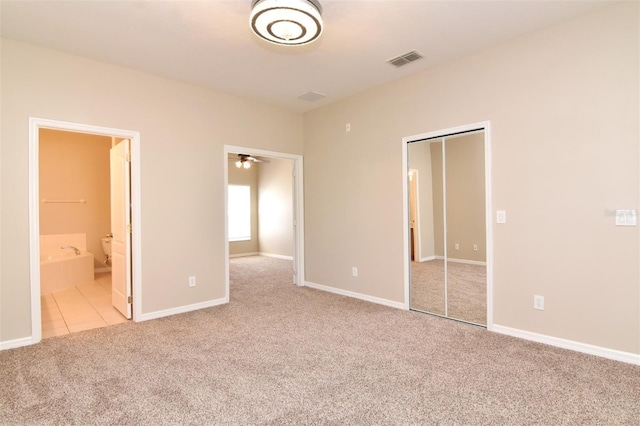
289, 22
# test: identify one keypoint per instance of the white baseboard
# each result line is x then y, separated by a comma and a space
468, 262
613, 354
451, 259
17, 343
255, 253
277, 256
365, 297
182, 309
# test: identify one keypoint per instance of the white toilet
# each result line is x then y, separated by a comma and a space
106, 248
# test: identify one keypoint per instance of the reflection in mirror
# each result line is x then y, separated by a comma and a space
448, 226
466, 228
425, 192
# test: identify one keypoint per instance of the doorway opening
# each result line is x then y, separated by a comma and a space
270, 184
73, 209
452, 276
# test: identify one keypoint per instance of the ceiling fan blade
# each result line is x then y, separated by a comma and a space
258, 160
247, 157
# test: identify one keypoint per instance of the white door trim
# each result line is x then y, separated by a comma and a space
486, 127
298, 185
35, 124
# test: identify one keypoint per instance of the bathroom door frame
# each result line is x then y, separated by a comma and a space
484, 126
35, 124
298, 209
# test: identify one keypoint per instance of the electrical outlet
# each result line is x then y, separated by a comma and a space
456, 246
192, 281
475, 247
354, 271
538, 302
348, 127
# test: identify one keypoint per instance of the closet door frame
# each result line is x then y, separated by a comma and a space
484, 126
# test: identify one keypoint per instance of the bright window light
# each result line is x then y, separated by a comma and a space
239, 212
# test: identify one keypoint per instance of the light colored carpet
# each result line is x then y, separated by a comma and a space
466, 290
284, 355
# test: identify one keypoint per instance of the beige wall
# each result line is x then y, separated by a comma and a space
249, 177
75, 166
276, 207
563, 106
183, 131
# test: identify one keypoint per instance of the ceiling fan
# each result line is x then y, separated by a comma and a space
245, 160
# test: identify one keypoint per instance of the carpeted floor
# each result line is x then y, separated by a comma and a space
280, 354
466, 290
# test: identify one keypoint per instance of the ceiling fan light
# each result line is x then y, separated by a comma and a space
238, 164
246, 164
288, 22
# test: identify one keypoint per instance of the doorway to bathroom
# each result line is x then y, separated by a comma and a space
84, 226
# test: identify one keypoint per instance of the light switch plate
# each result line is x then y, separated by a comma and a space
501, 216
538, 302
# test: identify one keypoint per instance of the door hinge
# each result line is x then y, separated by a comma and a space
128, 157
130, 299
129, 228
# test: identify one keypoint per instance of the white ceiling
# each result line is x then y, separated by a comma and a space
209, 43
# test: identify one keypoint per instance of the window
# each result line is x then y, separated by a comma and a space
239, 212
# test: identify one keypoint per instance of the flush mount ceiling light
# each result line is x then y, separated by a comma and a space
289, 22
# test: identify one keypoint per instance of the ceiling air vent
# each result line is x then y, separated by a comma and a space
311, 96
405, 59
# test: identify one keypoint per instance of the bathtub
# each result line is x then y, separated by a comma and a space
63, 269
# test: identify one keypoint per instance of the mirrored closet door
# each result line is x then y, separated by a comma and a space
448, 226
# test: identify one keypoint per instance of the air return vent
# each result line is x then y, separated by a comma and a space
405, 59
312, 96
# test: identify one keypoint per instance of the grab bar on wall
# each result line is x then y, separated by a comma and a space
81, 201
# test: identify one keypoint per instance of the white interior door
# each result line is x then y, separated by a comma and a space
121, 228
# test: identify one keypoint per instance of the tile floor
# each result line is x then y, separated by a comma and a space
83, 307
